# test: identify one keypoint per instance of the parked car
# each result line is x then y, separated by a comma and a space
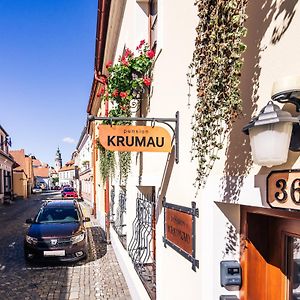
57, 233
69, 192
64, 187
36, 190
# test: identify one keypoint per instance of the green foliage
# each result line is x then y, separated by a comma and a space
126, 81
55, 180
125, 165
216, 64
107, 163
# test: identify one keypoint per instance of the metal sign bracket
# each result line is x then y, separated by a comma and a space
166, 121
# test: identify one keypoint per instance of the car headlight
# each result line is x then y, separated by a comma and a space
77, 238
31, 240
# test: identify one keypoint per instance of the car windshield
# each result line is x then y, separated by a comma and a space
68, 190
57, 215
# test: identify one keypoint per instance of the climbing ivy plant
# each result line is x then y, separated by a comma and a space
216, 66
107, 163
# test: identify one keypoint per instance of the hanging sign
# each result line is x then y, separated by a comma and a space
134, 138
180, 230
283, 189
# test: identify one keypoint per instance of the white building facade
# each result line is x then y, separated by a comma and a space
172, 240
66, 175
83, 161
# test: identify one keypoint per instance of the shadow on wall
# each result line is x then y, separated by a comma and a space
284, 16
231, 240
238, 155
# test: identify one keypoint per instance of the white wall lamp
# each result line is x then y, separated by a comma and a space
270, 132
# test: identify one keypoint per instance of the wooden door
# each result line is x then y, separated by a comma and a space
271, 256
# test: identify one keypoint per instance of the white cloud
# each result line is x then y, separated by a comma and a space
68, 140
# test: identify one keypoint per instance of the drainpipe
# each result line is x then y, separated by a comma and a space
102, 25
106, 192
107, 208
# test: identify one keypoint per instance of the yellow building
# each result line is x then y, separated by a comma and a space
23, 178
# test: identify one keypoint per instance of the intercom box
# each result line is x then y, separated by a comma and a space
231, 273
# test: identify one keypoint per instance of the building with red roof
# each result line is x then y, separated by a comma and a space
66, 174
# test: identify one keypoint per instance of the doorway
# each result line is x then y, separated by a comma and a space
270, 254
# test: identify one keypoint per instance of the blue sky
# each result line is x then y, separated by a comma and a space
47, 50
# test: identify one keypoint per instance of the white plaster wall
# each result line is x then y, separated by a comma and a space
176, 34
134, 29
85, 153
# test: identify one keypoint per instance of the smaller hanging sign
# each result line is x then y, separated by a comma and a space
134, 138
180, 229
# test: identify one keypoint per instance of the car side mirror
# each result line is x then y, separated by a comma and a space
87, 219
29, 221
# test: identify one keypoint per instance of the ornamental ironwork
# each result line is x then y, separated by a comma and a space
112, 205
120, 218
142, 247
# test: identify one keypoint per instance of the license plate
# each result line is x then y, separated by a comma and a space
55, 253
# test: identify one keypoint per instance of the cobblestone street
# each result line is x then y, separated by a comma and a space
97, 277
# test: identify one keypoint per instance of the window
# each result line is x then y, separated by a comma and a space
57, 215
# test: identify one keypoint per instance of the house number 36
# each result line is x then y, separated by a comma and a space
286, 189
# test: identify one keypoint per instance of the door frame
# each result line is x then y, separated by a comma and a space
283, 218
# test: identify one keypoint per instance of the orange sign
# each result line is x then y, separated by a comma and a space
283, 189
134, 138
179, 229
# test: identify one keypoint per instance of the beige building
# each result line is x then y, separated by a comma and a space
23, 177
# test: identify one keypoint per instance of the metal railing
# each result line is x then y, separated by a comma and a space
119, 223
112, 205
142, 247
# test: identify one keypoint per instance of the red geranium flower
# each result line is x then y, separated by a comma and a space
109, 64
123, 94
124, 62
115, 93
128, 52
142, 42
147, 81
150, 54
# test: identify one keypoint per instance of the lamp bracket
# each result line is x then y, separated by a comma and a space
292, 96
